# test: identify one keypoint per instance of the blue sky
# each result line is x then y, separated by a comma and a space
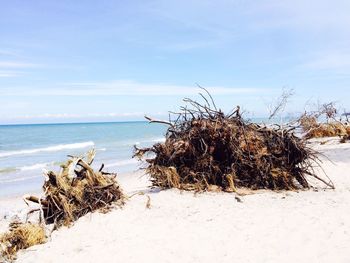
64, 61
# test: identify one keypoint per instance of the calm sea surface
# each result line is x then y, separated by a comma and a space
27, 150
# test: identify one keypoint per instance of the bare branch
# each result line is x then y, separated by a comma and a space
211, 98
150, 120
281, 103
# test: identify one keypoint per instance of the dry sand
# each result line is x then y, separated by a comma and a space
305, 226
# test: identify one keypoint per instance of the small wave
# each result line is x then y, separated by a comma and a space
154, 140
36, 166
121, 163
55, 148
8, 170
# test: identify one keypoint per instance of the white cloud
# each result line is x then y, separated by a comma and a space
213, 24
10, 69
125, 87
72, 116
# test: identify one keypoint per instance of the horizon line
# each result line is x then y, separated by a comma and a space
92, 122
65, 123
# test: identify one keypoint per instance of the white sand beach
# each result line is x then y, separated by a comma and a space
305, 226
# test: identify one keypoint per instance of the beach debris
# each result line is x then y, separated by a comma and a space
20, 236
313, 128
345, 138
148, 203
77, 190
206, 148
239, 200
323, 122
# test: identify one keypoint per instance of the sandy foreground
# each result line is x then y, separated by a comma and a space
305, 226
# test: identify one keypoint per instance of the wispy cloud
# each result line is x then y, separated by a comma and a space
12, 69
72, 117
190, 45
331, 61
8, 53
75, 116
301, 15
17, 64
125, 87
9, 74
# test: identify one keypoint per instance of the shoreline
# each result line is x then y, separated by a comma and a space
181, 226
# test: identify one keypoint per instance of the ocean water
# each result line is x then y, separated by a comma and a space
27, 150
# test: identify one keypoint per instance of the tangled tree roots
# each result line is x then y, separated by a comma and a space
205, 147
76, 191
20, 236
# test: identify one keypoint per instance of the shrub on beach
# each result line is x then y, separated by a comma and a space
20, 236
205, 147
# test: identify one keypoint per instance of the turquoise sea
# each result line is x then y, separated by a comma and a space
27, 150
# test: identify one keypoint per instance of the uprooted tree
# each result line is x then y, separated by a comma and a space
77, 190
205, 147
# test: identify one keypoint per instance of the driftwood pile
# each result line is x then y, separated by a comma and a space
206, 149
77, 190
